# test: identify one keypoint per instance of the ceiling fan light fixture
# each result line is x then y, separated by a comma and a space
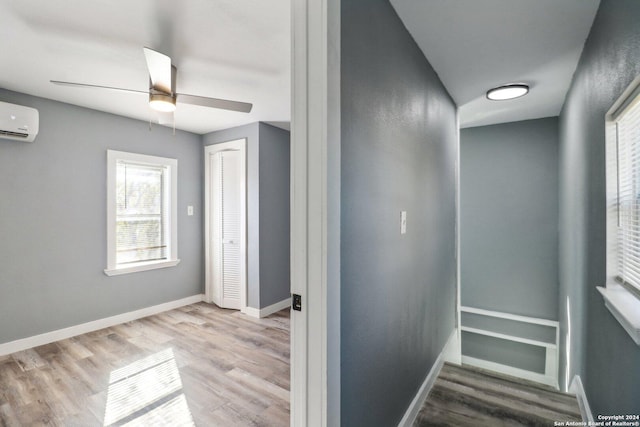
162, 103
506, 92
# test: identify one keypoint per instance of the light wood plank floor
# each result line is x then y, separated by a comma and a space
196, 365
466, 396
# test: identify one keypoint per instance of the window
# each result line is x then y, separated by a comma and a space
622, 293
141, 212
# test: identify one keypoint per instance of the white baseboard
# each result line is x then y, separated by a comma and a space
510, 370
267, 311
413, 409
72, 331
577, 388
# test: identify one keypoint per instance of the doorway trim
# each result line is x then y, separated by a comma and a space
315, 213
209, 196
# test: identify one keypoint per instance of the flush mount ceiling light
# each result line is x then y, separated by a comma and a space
510, 91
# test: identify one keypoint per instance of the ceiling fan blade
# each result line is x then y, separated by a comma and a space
58, 82
159, 66
223, 104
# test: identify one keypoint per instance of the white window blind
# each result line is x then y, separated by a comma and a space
627, 139
140, 213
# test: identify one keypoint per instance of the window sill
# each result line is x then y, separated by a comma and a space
625, 307
141, 267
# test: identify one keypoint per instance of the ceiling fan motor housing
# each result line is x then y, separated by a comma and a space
161, 100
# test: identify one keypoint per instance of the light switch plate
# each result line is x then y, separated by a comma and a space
403, 222
190, 210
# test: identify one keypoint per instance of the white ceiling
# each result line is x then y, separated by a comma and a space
475, 45
228, 49
240, 50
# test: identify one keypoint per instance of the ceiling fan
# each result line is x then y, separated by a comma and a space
162, 89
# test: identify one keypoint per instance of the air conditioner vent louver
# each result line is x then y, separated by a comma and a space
16, 134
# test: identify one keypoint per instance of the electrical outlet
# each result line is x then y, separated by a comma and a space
403, 222
190, 210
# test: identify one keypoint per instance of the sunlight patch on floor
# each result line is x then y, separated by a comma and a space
147, 392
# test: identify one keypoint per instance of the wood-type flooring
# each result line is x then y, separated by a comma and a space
196, 365
466, 396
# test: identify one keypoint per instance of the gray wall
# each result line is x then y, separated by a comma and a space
505, 352
509, 217
268, 279
53, 220
600, 351
275, 278
399, 148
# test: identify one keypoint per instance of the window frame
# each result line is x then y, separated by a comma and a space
170, 192
622, 299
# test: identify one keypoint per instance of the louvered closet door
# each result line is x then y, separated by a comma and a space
229, 209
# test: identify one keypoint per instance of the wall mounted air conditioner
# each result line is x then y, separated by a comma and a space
18, 123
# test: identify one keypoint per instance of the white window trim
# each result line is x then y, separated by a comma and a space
625, 307
172, 220
622, 303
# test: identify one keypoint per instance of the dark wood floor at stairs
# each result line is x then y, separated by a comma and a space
466, 396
